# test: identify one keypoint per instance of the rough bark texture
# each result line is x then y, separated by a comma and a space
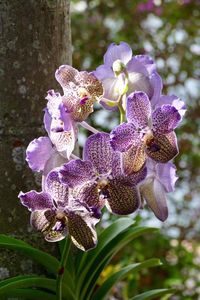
34, 40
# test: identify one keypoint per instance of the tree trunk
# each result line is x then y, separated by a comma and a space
34, 40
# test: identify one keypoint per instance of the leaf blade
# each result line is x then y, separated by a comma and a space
45, 259
154, 294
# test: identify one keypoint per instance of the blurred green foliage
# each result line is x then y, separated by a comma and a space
169, 31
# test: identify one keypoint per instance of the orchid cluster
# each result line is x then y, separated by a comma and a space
121, 170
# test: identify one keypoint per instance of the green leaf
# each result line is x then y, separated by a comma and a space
31, 294
47, 260
112, 280
27, 282
154, 294
87, 283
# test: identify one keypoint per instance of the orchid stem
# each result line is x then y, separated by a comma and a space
121, 110
61, 270
88, 127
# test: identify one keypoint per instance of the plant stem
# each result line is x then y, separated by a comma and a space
61, 270
121, 109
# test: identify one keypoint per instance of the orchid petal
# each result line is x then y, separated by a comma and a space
47, 121
148, 62
38, 153
76, 172
138, 109
166, 174
134, 159
81, 229
56, 160
153, 192
103, 72
121, 199
139, 82
63, 140
36, 201
124, 136
122, 52
58, 191
162, 147
90, 82
165, 119
175, 101
65, 74
98, 150
157, 85
89, 194
135, 66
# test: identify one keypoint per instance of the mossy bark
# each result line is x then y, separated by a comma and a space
34, 40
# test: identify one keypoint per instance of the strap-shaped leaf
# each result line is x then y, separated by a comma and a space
27, 282
31, 294
86, 286
47, 260
114, 278
154, 294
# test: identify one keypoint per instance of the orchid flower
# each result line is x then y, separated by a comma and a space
147, 133
122, 73
56, 213
99, 175
160, 180
81, 90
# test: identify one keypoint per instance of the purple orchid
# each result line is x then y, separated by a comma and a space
56, 212
122, 74
147, 133
100, 176
160, 180
81, 90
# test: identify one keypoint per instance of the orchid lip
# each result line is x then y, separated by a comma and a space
84, 100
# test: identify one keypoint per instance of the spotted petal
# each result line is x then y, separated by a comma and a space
36, 201
124, 136
133, 159
162, 147
121, 199
89, 194
65, 74
165, 119
138, 109
58, 191
81, 229
153, 192
76, 172
98, 151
